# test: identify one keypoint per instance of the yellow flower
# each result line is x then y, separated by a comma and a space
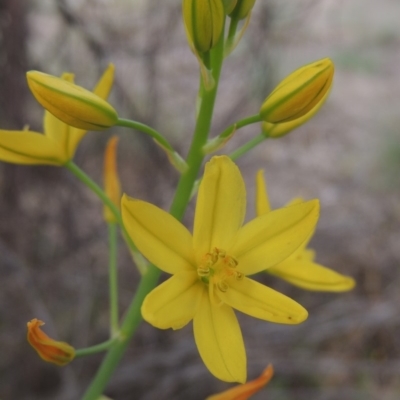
245, 391
299, 92
209, 268
49, 350
112, 185
71, 103
204, 21
299, 268
59, 142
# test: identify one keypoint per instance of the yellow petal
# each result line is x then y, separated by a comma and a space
312, 276
174, 303
246, 390
28, 147
267, 240
220, 208
219, 341
262, 201
104, 84
161, 238
259, 301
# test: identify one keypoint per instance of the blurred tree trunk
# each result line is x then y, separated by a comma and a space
13, 64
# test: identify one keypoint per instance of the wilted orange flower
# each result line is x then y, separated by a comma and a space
49, 350
243, 392
112, 185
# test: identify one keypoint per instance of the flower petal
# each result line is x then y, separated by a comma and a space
267, 240
311, 276
259, 301
28, 147
174, 303
245, 391
219, 340
262, 201
220, 208
104, 84
161, 238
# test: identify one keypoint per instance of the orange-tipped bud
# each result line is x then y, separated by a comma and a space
112, 184
245, 391
49, 350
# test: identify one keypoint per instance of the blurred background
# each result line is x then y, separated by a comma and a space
53, 241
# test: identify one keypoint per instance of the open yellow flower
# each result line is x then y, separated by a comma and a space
209, 268
50, 350
246, 390
299, 268
59, 142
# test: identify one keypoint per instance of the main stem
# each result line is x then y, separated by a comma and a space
113, 277
178, 207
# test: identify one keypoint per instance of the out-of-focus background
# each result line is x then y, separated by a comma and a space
53, 242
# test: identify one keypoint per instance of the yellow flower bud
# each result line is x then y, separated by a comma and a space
112, 185
281, 129
204, 21
229, 5
298, 93
49, 350
71, 103
242, 9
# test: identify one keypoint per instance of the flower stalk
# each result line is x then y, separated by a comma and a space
182, 196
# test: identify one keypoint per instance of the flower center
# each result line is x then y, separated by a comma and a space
216, 268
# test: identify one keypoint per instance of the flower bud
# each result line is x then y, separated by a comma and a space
242, 9
277, 130
71, 103
112, 185
298, 93
229, 5
49, 350
204, 22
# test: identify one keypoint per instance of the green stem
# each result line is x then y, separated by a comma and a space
240, 124
178, 207
86, 180
127, 123
247, 147
113, 277
95, 349
232, 33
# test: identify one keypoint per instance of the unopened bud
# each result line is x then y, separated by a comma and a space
71, 103
299, 93
242, 9
204, 22
229, 5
